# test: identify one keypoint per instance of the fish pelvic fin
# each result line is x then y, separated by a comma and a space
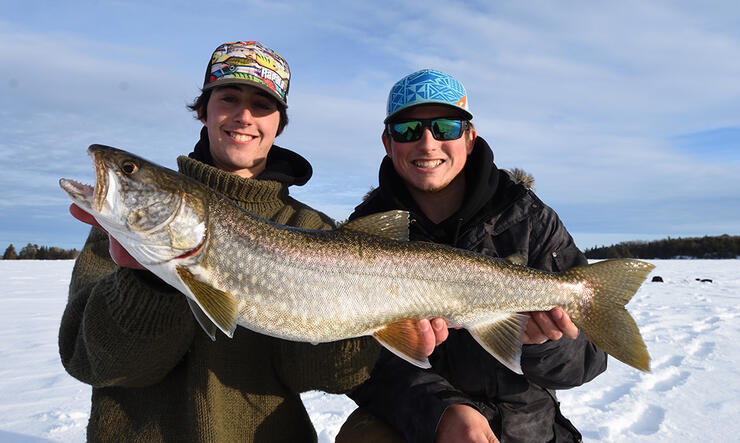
500, 336
203, 320
220, 307
604, 319
390, 224
404, 339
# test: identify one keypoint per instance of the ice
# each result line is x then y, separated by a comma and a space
691, 329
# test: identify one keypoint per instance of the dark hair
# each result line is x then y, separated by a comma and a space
200, 105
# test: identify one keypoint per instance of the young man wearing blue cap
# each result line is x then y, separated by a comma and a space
156, 375
442, 172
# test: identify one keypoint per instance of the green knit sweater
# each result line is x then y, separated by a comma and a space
157, 376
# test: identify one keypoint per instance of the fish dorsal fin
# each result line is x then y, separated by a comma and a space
500, 336
516, 259
203, 320
404, 339
219, 306
390, 224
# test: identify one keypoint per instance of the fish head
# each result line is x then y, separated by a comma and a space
156, 214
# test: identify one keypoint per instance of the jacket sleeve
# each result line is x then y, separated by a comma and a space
563, 363
410, 399
121, 327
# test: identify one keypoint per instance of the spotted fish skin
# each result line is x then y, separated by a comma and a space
364, 278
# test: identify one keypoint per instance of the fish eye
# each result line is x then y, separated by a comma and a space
129, 167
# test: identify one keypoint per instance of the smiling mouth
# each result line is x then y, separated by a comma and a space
241, 138
427, 164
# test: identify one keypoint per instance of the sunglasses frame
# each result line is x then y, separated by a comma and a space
427, 123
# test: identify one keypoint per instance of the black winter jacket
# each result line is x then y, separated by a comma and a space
499, 218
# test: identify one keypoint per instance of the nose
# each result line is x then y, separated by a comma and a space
427, 142
243, 115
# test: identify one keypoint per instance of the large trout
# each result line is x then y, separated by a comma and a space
364, 278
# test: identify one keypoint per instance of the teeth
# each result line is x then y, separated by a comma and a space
81, 187
240, 137
427, 163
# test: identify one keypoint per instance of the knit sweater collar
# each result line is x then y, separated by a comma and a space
240, 189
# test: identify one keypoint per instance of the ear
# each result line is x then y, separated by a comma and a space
387, 143
472, 135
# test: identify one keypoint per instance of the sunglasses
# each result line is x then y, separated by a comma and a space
441, 128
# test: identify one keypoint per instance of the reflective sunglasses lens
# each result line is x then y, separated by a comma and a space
406, 131
446, 129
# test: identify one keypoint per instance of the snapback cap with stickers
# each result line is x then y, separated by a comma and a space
250, 63
427, 86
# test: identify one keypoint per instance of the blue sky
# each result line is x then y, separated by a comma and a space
626, 113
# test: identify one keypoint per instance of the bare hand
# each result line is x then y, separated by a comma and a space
461, 423
548, 325
434, 332
117, 252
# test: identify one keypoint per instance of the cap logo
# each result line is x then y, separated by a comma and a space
463, 102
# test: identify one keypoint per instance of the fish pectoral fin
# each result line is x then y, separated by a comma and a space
404, 339
390, 224
203, 320
500, 336
218, 306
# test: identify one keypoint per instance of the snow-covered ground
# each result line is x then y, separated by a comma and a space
691, 328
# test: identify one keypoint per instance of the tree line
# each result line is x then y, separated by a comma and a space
36, 252
721, 246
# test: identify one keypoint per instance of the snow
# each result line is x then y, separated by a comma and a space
691, 330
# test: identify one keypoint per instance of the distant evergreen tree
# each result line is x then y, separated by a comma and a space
10, 253
36, 252
29, 252
722, 246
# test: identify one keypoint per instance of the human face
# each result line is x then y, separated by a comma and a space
242, 124
429, 165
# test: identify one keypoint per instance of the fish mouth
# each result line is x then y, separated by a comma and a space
87, 197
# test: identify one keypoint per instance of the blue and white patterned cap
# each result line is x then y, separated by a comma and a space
427, 87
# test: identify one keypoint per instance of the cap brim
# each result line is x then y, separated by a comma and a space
464, 111
241, 81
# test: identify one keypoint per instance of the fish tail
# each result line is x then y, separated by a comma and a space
604, 318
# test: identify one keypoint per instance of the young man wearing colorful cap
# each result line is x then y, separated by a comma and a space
439, 169
156, 375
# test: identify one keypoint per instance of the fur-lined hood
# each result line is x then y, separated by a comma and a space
522, 176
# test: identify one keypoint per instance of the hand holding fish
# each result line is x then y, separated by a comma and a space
548, 325
117, 252
439, 328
